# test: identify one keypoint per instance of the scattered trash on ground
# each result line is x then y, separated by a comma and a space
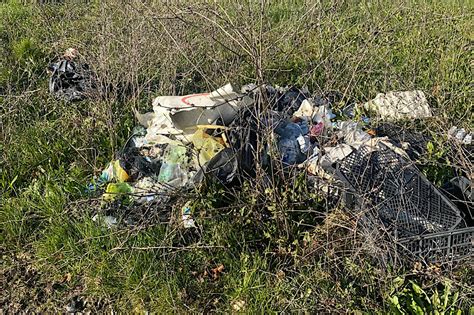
214, 136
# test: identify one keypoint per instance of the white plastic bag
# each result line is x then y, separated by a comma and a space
179, 115
397, 105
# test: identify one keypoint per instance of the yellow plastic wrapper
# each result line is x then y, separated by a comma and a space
114, 172
116, 190
207, 146
119, 173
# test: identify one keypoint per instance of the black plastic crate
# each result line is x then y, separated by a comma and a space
441, 247
397, 193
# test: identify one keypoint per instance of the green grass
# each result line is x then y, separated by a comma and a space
290, 261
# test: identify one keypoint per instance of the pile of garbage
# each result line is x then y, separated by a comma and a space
187, 139
227, 134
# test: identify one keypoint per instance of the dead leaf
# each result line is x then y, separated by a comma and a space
280, 274
238, 305
217, 271
67, 277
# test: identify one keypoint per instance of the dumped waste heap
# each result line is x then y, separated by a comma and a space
227, 134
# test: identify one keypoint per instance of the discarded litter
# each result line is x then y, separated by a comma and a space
108, 220
117, 190
412, 142
352, 133
460, 135
389, 189
179, 115
398, 105
188, 221
207, 146
114, 171
397, 192
294, 142
172, 171
223, 167
189, 139
71, 80
462, 191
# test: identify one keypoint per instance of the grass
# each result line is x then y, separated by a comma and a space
277, 254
